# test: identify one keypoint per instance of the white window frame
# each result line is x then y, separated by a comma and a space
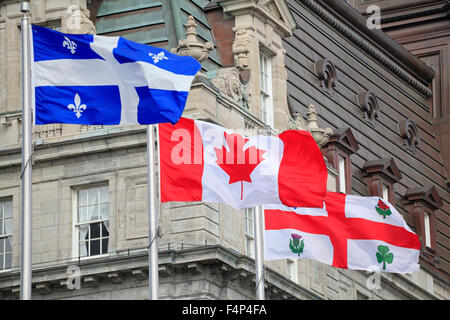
427, 227
4, 235
249, 218
385, 192
266, 90
76, 224
342, 174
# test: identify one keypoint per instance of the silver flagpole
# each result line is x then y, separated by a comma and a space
153, 280
25, 266
259, 254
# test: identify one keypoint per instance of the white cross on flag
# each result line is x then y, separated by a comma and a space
351, 232
100, 80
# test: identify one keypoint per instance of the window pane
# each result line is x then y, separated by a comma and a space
1, 261
83, 232
93, 196
95, 230
104, 211
93, 213
8, 261
105, 229
2, 245
83, 248
105, 246
1, 210
95, 247
82, 198
82, 214
104, 194
8, 224
8, 244
8, 212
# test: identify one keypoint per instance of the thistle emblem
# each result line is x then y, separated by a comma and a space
78, 108
70, 45
158, 57
383, 209
295, 244
383, 255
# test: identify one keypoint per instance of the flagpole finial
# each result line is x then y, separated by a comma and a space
25, 7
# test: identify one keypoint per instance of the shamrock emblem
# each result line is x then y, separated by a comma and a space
295, 244
383, 255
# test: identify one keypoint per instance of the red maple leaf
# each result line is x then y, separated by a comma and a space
237, 162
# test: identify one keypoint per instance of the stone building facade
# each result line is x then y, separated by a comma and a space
92, 180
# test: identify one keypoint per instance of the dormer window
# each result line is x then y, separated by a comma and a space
340, 146
423, 203
381, 175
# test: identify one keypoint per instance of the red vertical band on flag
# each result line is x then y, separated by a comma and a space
302, 177
335, 205
181, 161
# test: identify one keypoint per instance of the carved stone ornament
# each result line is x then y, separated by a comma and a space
191, 46
297, 122
409, 134
326, 73
229, 84
320, 135
369, 106
76, 20
241, 49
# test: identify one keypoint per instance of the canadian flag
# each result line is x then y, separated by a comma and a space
201, 161
351, 232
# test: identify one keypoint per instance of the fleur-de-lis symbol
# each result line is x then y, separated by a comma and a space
158, 57
78, 108
69, 44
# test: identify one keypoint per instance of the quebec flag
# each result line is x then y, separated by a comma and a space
98, 80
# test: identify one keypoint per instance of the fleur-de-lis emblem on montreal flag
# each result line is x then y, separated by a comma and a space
78, 108
158, 57
295, 244
70, 45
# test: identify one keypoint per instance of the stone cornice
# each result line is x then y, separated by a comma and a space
221, 260
404, 64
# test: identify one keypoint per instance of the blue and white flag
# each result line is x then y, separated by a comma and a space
99, 80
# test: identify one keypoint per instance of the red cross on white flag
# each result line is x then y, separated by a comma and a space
351, 232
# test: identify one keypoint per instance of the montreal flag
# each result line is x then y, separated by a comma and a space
350, 232
201, 161
98, 80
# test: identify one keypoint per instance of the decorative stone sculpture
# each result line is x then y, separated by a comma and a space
241, 49
76, 20
320, 135
191, 46
229, 84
